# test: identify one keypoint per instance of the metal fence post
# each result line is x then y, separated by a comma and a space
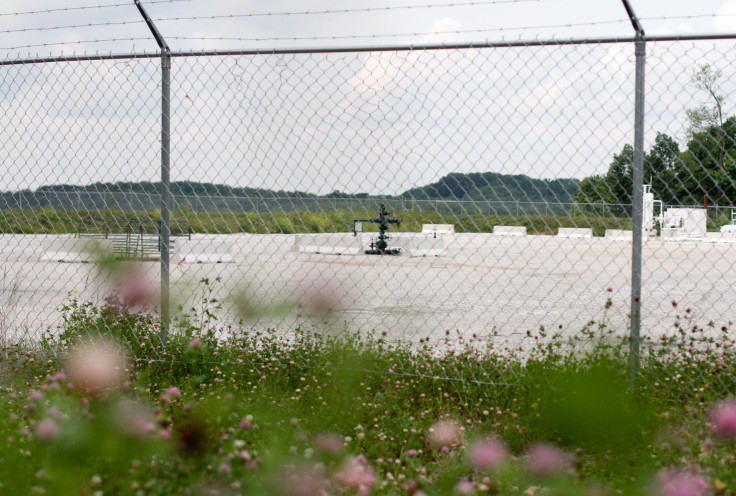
637, 207
165, 228
165, 193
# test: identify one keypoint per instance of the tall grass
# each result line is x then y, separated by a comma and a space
49, 221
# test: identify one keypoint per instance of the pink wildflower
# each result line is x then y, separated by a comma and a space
96, 366
356, 475
445, 434
246, 424
329, 443
305, 481
133, 419
680, 483
723, 419
545, 459
133, 289
195, 343
487, 454
173, 391
47, 430
464, 487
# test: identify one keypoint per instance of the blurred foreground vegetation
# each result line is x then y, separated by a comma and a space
104, 407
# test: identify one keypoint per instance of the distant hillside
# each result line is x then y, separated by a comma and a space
491, 186
487, 186
184, 188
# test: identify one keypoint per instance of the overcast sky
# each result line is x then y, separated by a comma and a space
375, 122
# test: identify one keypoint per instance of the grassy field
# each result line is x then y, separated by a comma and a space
49, 221
104, 407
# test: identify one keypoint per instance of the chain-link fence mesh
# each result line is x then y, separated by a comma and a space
509, 167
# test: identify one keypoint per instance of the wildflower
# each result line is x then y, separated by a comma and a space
356, 475
330, 444
195, 343
723, 419
47, 430
464, 487
680, 483
487, 454
246, 424
133, 289
445, 434
545, 459
173, 391
96, 366
133, 419
303, 481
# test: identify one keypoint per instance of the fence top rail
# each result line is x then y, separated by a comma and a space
368, 48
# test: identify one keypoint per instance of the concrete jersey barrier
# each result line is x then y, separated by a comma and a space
619, 234
204, 251
509, 230
328, 243
438, 229
720, 237
418, 245
69, 249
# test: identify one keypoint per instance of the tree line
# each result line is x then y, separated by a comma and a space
704, 172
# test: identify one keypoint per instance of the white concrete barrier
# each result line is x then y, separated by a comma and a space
423, 246
619, 234
720, 237
328, 243
438, 229
509, 230
70, 249
208, 250
575, 232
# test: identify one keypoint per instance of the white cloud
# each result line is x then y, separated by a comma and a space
725, 19
442, 30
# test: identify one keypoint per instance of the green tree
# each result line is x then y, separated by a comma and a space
612, 190
704, 172
615, 189
707, 168
660, 166
709, 116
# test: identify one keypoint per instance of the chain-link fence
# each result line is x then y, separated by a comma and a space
509, 166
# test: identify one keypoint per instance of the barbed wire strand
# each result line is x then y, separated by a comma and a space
358, 10
84, 7
265, 14
82, 42
320, 38
395, 35
73, 26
